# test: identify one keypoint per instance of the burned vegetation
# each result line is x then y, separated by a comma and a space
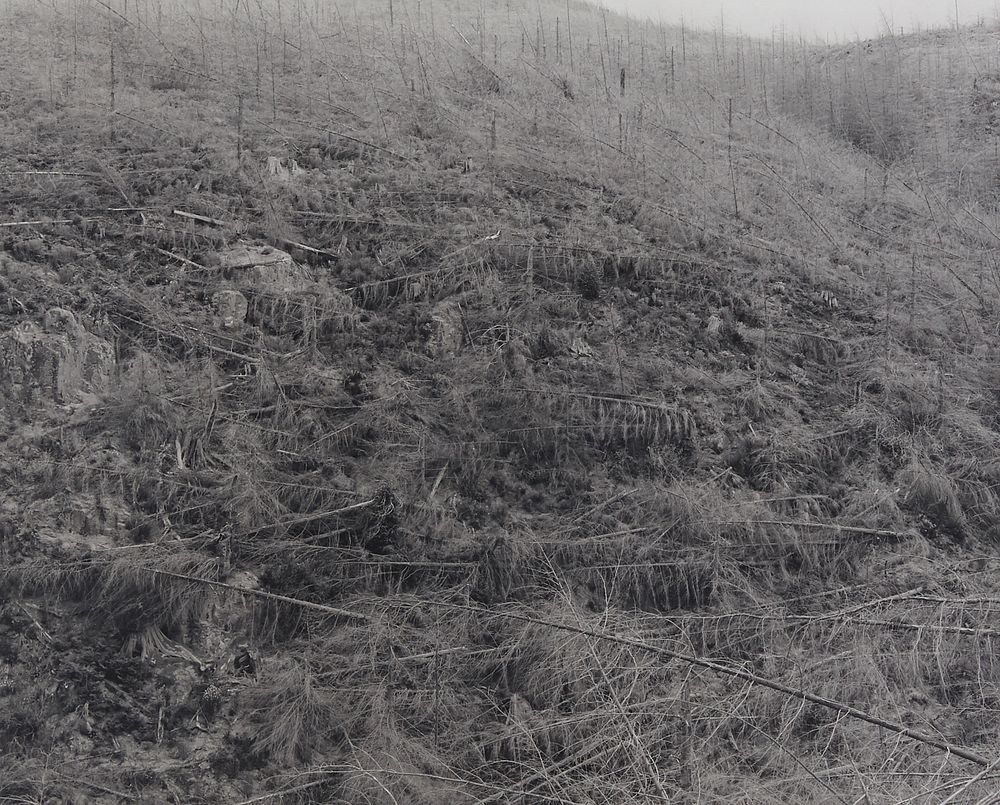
463, 404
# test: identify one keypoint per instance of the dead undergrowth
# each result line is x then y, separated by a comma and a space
488, 421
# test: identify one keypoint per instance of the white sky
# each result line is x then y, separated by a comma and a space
843, 19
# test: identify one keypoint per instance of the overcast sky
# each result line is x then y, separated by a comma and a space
844, 19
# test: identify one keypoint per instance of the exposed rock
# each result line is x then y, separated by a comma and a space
282, 169
446, 329
827, 299
279, 295
714, 325
581, 348
244, 580
264, 267
231, 307
60, 363
60, 320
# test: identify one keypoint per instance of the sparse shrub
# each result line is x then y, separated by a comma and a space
294, 714
976, 483
752, 458
756, 403
650, 579
933, 496
148, 421
885, 136
211, 701
19, 728
170, 79
589, 282
565, 85
919, 403
549, 342
479, 77
237, 756
502, 570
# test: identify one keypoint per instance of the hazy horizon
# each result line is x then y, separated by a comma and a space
844, 19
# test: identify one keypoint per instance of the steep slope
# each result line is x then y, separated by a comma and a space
454, 403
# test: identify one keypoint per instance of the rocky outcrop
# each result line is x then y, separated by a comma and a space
230, 307
276, 293
58, 362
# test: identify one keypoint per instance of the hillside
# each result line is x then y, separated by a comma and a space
431, 401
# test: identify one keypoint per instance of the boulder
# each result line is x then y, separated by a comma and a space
60, 362
231, 307
267, 268
279, 295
